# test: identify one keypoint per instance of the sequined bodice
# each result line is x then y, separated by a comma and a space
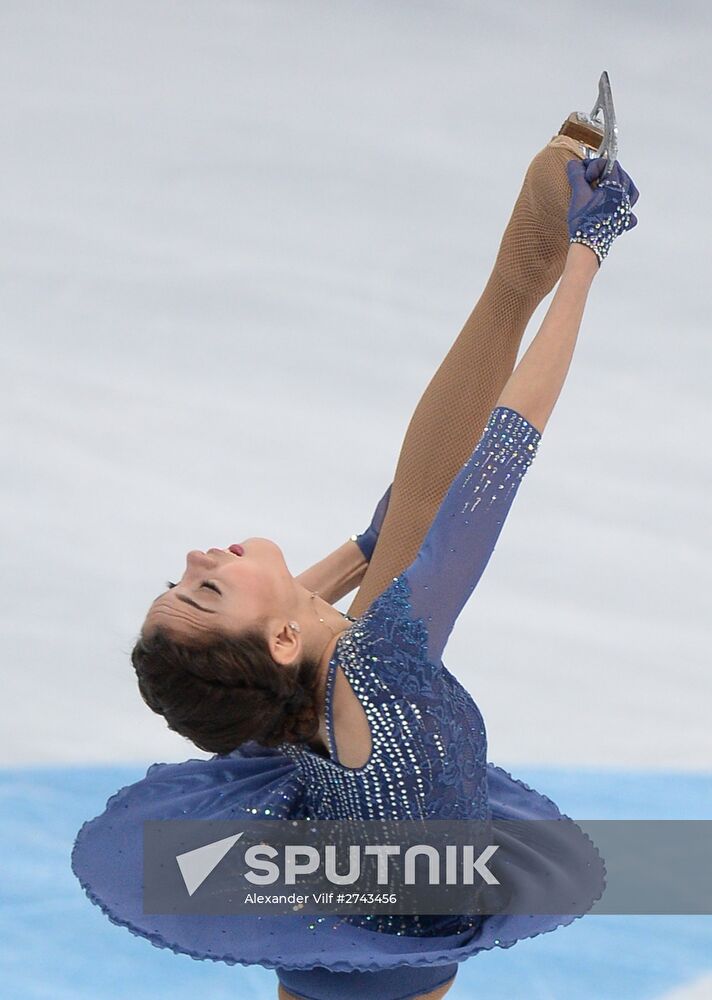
428, 741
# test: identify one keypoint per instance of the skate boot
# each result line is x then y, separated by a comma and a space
595, 134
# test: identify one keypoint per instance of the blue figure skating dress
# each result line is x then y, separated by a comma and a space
428, 760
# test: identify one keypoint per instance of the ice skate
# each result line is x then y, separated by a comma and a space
595, 134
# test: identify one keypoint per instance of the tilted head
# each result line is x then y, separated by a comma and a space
218, 656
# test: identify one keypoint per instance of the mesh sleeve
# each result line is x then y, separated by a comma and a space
465, 529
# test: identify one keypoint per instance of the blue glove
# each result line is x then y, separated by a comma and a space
598, 215
366, 541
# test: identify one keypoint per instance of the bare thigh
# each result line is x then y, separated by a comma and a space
435, 994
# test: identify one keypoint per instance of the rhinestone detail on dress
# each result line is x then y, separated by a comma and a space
429, 743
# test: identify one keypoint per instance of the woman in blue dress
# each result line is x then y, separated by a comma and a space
314, 714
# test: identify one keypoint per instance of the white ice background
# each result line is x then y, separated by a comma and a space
236, 240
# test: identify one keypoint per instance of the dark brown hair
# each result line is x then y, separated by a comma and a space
224, 691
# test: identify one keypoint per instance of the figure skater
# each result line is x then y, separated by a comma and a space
315, 714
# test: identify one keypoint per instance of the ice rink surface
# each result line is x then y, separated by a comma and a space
236, 240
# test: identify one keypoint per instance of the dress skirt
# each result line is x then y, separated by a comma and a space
322, 958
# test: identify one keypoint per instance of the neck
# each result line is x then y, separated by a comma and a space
336, 623
329, 622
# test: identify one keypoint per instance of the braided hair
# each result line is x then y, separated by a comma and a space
223, 692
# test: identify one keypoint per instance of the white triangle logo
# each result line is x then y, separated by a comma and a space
196, 865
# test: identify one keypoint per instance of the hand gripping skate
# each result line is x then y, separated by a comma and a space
597, 132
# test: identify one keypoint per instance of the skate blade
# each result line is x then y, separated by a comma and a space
597, 132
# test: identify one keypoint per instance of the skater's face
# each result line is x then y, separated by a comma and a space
222, 592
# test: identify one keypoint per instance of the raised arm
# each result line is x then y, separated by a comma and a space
531, 393
535, 384
465, 529
597, 216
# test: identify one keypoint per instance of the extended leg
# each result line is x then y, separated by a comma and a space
452, 413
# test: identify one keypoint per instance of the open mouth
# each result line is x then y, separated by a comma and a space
236, 550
